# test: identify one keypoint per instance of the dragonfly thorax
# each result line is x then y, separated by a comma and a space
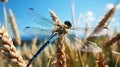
63, 29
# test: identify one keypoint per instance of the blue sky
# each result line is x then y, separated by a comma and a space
89, 10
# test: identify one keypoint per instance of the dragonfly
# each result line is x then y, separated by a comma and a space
48, 27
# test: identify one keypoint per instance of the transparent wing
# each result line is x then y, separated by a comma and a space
92, 31
74, 42
75, 36
78, 44
90, 47
38, 18
37, 31
100, 31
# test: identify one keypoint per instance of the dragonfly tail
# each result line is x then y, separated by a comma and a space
37, 53
41, 49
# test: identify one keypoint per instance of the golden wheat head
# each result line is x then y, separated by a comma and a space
9, 50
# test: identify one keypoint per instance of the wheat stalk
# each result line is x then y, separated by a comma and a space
14, 28
118, 57
86, 31
61, 59
33, 45
112, 40
73, 13
5, 18
55, 19
9, 50
103, 22
26, 52
101, 61
108, 15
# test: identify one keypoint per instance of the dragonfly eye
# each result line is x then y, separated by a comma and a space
68, 24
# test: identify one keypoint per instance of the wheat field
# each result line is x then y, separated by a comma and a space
17, 53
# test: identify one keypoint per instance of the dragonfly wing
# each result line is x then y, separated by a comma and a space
92, 31
100, 31
79, 33
38, 18
37, 31
74, 41
50, 40
90, 47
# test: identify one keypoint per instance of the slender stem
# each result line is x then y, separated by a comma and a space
117, 61
82, 64
48, 64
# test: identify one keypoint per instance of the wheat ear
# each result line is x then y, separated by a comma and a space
103, 22
61, 59
112, 40
56, 20
108, 15
33, 45
4, 1
5, 18
101, 61
14, 28
9, 50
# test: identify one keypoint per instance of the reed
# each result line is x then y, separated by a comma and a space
14, 28
9, 51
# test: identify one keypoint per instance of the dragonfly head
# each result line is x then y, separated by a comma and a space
67, 24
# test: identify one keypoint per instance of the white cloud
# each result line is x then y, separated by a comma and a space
90, 13
87, 17
111, 5
118, 6
90, 16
